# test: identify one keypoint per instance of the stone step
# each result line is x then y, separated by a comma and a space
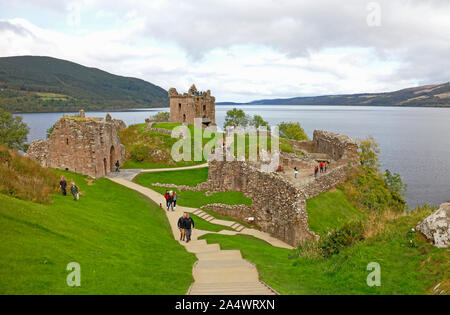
222, 264
202, 248
220, 255
240, 228
230, 288
195, 242
225, 274
197, 212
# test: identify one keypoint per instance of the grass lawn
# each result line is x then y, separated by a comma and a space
121, 240
404, 270
330, 210
190, 177
204, 225
194, 199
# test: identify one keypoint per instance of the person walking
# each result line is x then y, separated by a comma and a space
175, 198
117, 166
295, 172
188, 227
170, 201
74, 191
181, 223
166, 196
316, 171
321, 167
63, 185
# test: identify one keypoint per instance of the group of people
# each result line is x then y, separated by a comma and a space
322, 167
171, 199
185, 225
73, 189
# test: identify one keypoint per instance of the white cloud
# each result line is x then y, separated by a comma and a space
243, 50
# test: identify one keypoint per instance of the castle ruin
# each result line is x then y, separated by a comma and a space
184, 108
85, 145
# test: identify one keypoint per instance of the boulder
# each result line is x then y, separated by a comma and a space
436, 227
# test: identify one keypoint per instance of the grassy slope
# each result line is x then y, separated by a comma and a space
330, 210
404, 270
122, 241
136, 136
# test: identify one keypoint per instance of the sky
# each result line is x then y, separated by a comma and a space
242, 50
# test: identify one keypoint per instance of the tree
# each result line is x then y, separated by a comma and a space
13, 131
368, 154
292, 131
161, 116
50, 130
236, 118
395, 183
258, 121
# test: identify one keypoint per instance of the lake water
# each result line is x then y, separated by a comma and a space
414, 142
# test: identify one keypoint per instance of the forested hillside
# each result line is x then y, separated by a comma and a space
44, 84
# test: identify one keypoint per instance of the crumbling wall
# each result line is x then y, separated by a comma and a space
89, 146
337, 146
277, 205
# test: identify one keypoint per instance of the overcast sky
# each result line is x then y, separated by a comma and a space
242, 50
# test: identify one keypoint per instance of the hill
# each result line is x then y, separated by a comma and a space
437, 95
44, 84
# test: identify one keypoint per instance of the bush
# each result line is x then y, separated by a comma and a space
339, 238
292, 131
161, 116
24, 178
139, 153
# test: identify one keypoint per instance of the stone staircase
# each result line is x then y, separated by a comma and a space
205, 216
223, 272
217, 271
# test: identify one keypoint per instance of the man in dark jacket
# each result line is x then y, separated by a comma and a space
181, 221
63, 185
117, 166
188, 226
74, 191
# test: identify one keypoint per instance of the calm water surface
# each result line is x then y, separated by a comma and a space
414, 142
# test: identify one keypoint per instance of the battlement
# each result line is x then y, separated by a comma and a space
184, 108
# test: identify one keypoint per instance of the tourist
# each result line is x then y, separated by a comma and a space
63, 185
181, 221
117, 166
166, 195
170, 201
74, 192
295, 172
316, 171
175, 198
321, 167
188, 227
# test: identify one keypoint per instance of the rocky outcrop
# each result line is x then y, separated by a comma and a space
436, 227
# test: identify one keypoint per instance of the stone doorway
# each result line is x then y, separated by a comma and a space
112, 156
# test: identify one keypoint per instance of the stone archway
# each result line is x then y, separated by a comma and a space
112, 157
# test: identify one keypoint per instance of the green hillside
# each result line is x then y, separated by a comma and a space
44, 84
122, 242
437, 95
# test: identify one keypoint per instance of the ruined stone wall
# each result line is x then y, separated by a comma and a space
238, 212
337, 146
277, 205
188, 106
87, 146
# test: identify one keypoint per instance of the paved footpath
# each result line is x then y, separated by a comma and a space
217, 271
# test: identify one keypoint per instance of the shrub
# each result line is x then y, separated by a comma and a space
340, 238
24, 178
292, 131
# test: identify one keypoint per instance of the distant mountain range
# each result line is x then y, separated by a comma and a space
437, 95
44, 84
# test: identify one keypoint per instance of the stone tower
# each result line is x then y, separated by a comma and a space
89, 146
194, 104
